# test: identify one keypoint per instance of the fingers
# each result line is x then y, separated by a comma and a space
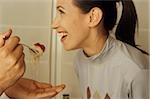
46, 92
43, 85
59, 88
20, 66
16, 54
49, 92
11, 43
9, 46
18, 51
15, 72
5, 36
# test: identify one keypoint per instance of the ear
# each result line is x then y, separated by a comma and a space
95, 16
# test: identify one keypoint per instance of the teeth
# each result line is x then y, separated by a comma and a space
64, 34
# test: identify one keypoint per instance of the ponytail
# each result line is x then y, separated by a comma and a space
125, 30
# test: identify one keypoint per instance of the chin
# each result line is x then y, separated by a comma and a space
69, 48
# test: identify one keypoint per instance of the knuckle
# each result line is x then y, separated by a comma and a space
15, 38
18, 39
21, 47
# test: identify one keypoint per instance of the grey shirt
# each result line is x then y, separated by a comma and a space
119, 71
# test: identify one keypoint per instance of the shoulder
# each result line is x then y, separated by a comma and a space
130, 60
131, 55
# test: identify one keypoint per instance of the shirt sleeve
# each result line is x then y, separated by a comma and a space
140, 85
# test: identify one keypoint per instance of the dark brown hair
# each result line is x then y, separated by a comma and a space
125, 30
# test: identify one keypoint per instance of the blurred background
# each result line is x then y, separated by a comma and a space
31, 20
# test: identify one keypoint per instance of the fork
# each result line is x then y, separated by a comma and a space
31, 49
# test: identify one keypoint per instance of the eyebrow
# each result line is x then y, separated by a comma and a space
59, 6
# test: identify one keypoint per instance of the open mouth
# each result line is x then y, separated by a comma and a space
64, 36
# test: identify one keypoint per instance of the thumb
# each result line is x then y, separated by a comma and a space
5, 36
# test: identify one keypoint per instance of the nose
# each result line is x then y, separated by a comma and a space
55, 23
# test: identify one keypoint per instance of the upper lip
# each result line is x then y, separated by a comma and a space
61, 31
64, 33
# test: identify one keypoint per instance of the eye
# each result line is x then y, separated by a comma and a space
61, 12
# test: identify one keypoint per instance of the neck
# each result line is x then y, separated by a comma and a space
95, 44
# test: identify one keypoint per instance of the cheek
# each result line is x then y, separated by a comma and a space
78, 35
78, 28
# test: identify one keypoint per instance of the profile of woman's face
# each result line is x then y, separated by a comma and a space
71, 23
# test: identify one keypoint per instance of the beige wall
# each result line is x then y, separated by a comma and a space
144, 21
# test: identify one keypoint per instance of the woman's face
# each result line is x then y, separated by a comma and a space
71, 23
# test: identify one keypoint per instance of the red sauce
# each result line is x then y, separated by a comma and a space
40, 45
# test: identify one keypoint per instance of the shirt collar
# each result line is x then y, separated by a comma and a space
107, 46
